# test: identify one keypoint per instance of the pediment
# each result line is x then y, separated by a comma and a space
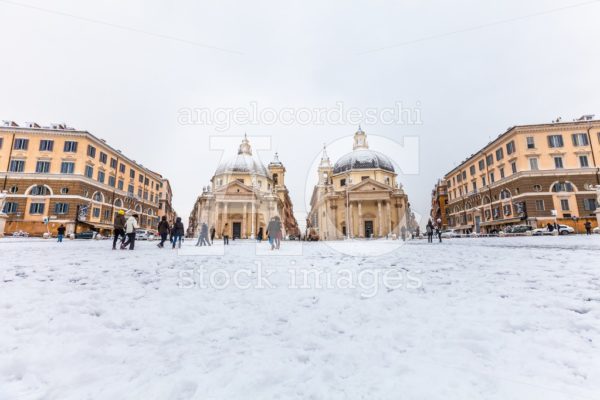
234, 187
369, 185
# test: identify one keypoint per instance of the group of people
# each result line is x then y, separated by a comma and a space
206, 237
432, 229
125, 229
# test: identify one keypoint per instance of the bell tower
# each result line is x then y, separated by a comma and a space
325, 168
360, 140
277, 171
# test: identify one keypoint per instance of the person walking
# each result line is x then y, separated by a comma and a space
163, 231
259, 235
213, 231
429, 230
130, 227
588, 227
119, 228
403, 233
61, 233
178, 231
438, 229
225, 234
203, 237
274, 233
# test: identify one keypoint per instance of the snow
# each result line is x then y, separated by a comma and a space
490, 318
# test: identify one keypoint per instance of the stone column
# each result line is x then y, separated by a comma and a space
253, 219
379, 218
244, 224
361, 225
389, 214
350, 222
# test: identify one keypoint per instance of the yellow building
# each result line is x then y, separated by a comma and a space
530, 174
165, 207
243, 197
359, 196
66, 176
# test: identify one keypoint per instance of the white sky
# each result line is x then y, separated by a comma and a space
127, 85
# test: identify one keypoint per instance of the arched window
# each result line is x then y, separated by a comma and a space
40, 190
119, 203
98, 196
505, 194
563, 187
486, 200
138, 208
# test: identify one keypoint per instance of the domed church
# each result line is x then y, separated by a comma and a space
243, 196
359, 196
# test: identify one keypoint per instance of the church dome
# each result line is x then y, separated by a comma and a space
244, 162
362, 157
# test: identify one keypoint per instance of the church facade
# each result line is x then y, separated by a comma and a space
358, 197
242, 198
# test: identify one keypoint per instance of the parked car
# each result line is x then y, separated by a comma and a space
144, 234
565, 229
86, 235
521, 228
20, 234
450, 233
596, 229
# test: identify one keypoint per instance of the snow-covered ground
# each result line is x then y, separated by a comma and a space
490, 318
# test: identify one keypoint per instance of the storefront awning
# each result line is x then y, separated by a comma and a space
501, 222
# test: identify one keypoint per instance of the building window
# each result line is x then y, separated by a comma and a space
564, 204
113, 163
101, 176
562, 187
537, 188
64, 190
70, 147
132, 173
103, 157
10, 207
505, 194
342, 182
91, 151
513, 167
501, 173
96, 212
120, 184
499, 154
583, 161
139, 192
67, 167
558, 162
489, 160
474, 183
530, 142
539, 205
21, 144
580, 139
98, 197
492, 179
533, 164
510, 147
590, 204
141, 178
39, 190
17, 165
42, 167
46, 145
14, 189
481, 165
106, 215
146, 181
61, 208
507, 210
89, 171
483, 181
36, 208
472, 170
130, 189
122, 168
555, 141
111, 181
1, 142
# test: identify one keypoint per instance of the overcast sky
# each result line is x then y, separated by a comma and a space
124, 70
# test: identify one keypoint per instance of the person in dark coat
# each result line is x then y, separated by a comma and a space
61, 232
429, 230
203, 237
163, 231
259, 235
178, 232
119, 228
274, 233
588, 227
213, 231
